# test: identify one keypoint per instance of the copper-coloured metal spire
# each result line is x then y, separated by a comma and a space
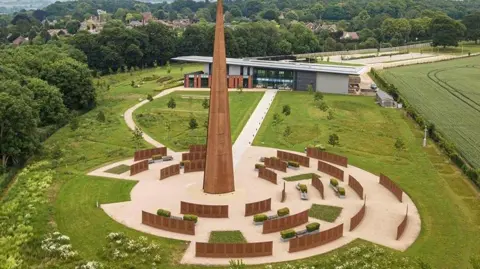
218, 177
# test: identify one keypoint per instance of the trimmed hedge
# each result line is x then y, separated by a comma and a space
157, 157
447, 146
293, 164
259, 165
164, 213
334, 182
288, 233
313, 226
303, 187
341, 191
260, 218
190, 218
283, 211
182, 163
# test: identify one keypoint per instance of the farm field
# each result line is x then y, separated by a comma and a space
153, 117
448, 204
448, 95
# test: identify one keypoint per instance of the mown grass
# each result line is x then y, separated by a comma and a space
446, 94
153, 117
448, 204
118, 169
226, 237
463, 48
299, 177
324, 212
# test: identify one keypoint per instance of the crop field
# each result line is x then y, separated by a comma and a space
448, 95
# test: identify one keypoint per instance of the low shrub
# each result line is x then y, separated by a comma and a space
274, 157
182, 163
341, 191
334, 182
283, 211
190, 218
150, 78
164, 213
293, 164
260, 218
157, 157
164, 79
259, 165
313, 226
303, 187
288, 233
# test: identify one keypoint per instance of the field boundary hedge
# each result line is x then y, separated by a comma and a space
446, 145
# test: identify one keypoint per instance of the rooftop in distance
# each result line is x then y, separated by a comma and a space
323, 68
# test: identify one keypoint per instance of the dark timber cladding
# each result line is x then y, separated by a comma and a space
303, 79
218, 177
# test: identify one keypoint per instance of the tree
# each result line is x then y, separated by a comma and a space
286, 110
323, 106
252, 7
270, 14
206, 103
204, 13
18, 132
169, 68
446, 31
399, 28
149, 97
133, 56
291, 15
309, 88
72, 26
333, 140
287, 132
137, 136
399, 144
472, 24
45, 35
74, 80
132, 83
171, 103
49, 102
172, 15
160, 14
330, 115
192, 124
101, 116
318, 96
235, 11
228, 17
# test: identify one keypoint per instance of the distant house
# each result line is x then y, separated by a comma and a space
19, 40
385, 100
310, 26
58, 32
147, 16
350, 36
329, 27
135, 23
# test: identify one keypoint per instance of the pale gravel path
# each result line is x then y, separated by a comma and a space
128, 115
249, 131
384, 213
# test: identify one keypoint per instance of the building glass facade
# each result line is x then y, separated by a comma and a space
273, 78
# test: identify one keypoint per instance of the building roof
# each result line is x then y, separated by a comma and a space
323, 68
350, 35
383, 95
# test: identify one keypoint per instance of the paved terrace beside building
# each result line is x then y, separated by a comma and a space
253, 73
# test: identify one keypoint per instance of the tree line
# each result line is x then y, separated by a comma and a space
42, 86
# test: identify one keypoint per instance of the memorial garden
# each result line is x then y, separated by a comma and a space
282, 179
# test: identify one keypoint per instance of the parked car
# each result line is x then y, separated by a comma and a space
373, 86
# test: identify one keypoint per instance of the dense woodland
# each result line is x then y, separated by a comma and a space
48, 68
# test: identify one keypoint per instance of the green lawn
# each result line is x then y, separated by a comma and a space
154, 117
226, 237
448, 204
448, 95
324, 212
118, 169
299, 177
